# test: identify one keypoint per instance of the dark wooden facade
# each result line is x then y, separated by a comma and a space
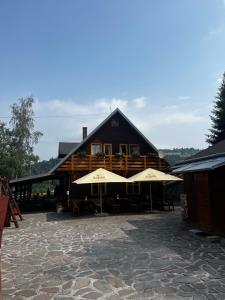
204, 187
116, 131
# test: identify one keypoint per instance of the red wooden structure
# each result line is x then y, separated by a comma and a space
8, 206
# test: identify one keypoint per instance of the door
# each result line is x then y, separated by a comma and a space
203, 203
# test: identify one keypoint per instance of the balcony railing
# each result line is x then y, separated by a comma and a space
113, 163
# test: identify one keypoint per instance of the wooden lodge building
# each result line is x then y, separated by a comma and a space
116, 145
204, 188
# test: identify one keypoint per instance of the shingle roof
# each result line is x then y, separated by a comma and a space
65, 148
207, 157
218, 148
33, 178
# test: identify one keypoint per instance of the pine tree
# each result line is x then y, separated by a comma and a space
217, 132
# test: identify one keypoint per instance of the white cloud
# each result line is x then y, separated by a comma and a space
140, 102
174, 125
107, 105
214, 34
184, 98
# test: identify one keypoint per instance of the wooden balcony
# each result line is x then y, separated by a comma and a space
112, 163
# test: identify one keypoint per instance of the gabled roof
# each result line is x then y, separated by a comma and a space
65, 148
117, 110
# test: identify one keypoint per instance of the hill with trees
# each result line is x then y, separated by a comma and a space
176, 155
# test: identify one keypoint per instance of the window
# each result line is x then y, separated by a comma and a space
133, 188
96, 148
115, 123
123, 149
95, 189
134, 149
108, 149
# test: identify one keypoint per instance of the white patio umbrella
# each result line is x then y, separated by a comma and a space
101, 176
152, 175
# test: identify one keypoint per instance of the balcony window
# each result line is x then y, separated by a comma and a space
123, 149
134, 149
108, 149
96, 148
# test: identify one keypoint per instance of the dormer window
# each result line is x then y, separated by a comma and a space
115, 123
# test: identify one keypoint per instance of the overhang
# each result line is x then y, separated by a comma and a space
202, 165
33, 179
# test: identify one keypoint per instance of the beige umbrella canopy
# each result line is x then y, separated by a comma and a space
101, 176
151, 175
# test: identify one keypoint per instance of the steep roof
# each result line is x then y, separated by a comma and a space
117, 110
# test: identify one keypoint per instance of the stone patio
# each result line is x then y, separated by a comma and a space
147, 256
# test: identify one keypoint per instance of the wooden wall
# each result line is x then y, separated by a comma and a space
123, 134
206, 199
218, 199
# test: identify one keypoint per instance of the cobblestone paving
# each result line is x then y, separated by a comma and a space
149, 256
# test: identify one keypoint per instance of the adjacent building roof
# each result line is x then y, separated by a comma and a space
65, 148
209, 159
202, 165
33, 178
218, 148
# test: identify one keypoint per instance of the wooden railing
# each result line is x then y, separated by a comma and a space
113, 162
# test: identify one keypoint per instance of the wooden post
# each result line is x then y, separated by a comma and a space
145, 165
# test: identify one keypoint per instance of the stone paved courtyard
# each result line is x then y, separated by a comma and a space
149, 256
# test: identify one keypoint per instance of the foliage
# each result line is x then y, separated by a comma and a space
7, 161
100, 154
81, 153
17, 141
176, 155
43, 166
119, 155
217, 132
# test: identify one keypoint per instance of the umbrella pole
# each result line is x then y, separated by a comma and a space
150, 195
100, 191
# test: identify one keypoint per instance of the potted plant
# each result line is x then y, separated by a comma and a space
119, 155
135, 154
100, 154
81, 154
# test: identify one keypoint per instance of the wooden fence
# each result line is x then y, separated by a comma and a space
113, 163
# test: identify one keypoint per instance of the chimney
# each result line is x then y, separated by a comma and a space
84, 132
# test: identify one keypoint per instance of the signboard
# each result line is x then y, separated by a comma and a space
3, 211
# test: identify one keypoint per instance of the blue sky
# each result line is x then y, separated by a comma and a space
159, 61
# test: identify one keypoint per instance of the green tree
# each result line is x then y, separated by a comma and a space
6, 159
217, 132
24, 135
17, 142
